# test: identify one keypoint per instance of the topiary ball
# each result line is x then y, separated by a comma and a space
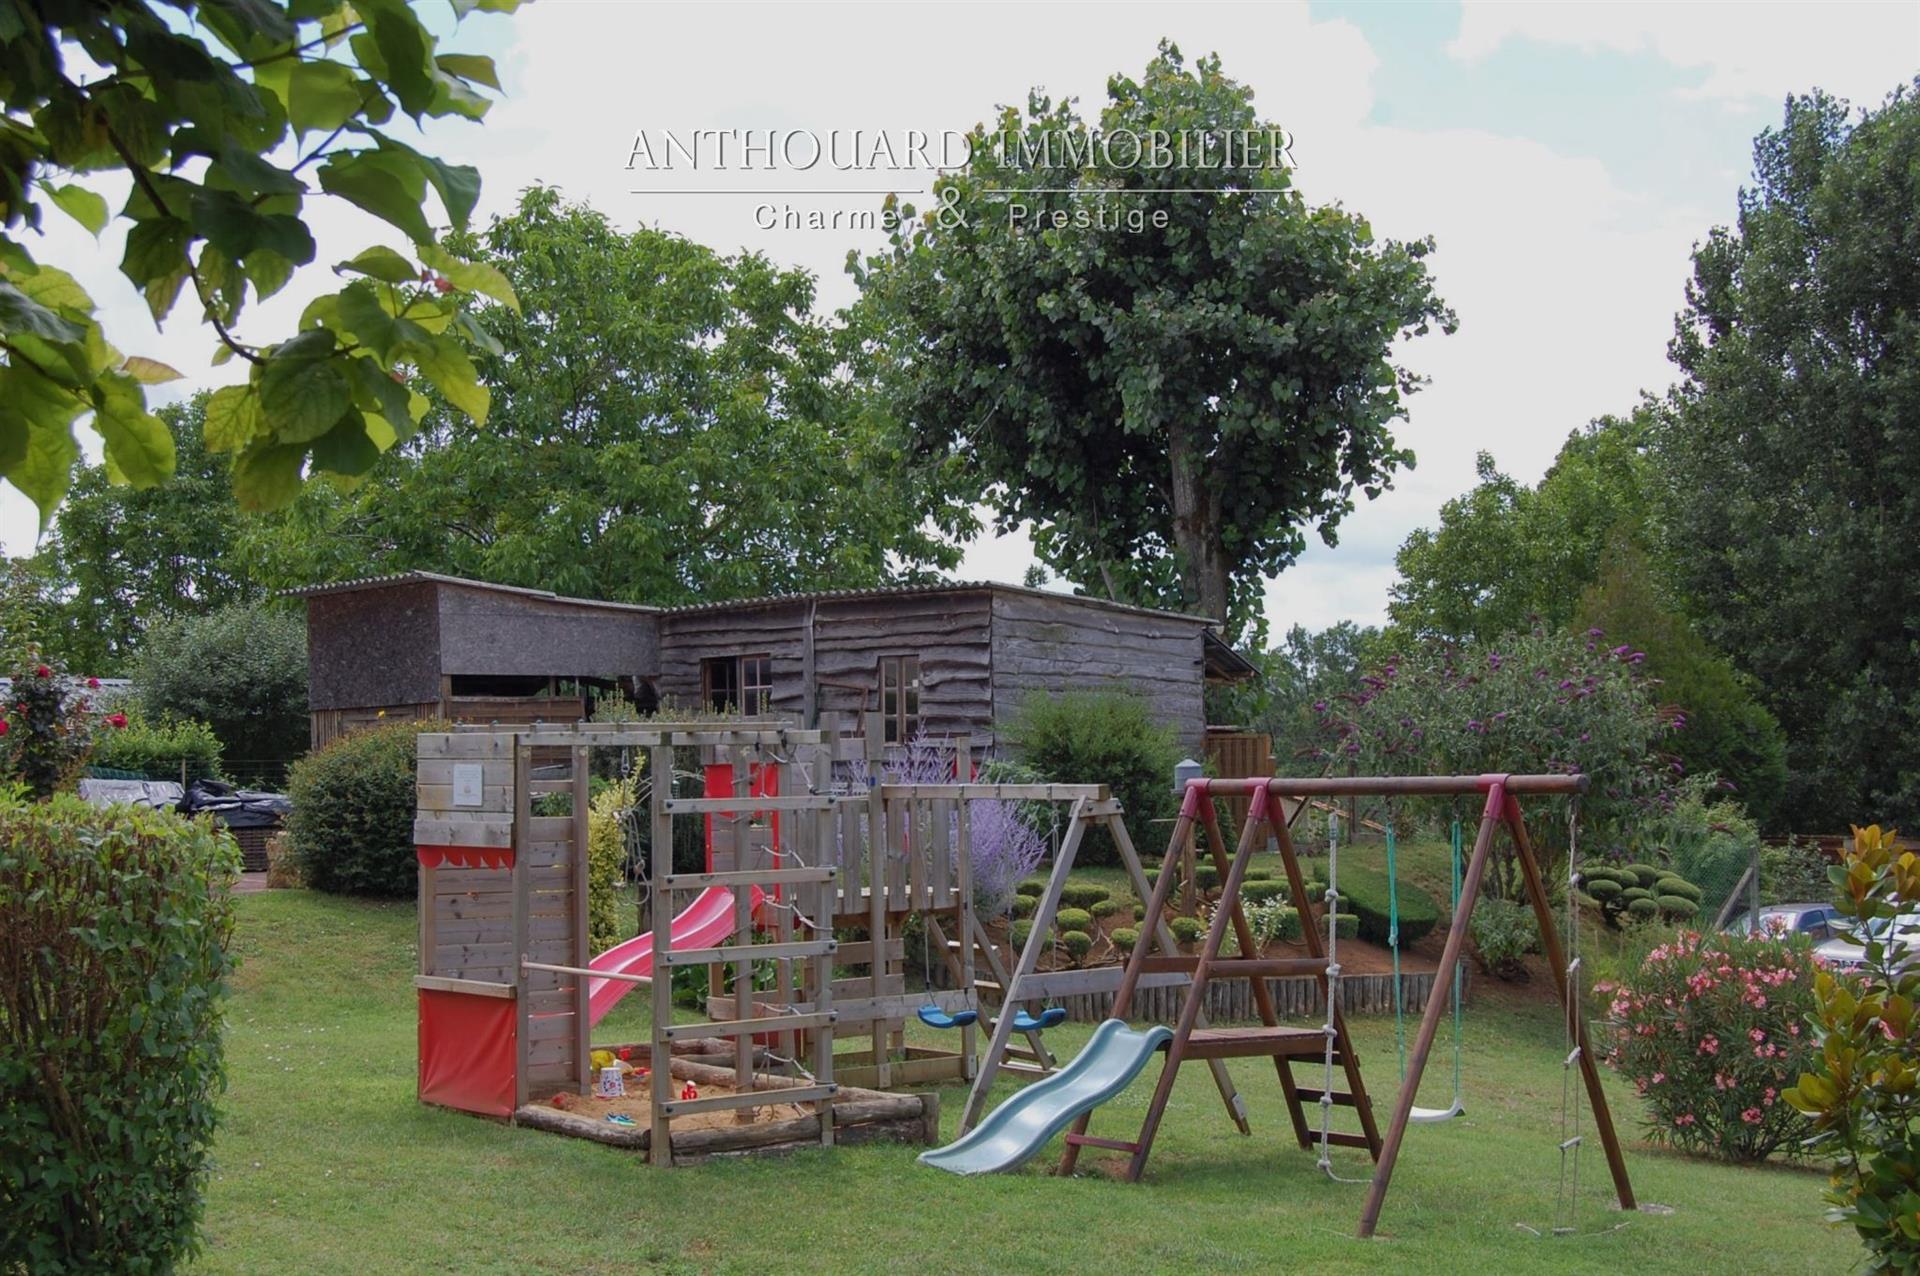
1644, 874
1676, 907
1019, 931
1077, 943
1125, 938
1103, 908
1186, 929
1023, 905
1261, 892
1074, 919
1644, 907
1031, 886
1602, 889
1083, 894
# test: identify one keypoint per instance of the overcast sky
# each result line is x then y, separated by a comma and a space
1566, 158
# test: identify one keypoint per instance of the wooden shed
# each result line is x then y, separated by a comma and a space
947, 659
422, 645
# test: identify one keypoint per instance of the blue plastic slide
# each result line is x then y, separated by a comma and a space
1027, 1122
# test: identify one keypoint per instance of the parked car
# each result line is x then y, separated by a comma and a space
1848, 954
1819, 922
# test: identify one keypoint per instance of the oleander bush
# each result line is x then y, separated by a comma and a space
1711, 1031
353, 806
112, 976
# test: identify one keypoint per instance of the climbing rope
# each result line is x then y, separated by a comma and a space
1567, 1197
1329, 1030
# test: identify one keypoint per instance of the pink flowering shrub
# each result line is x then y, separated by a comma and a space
1711, 1030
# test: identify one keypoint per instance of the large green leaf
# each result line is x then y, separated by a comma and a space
21, 313
361, 314
387, 184
405, 52
471, 276
444, 362
267, 476
233, 419
302, 389
43, 413
232, 225
469, 66
139, 450
156, 261
458, 184
89, 208
322, 95
346, 449
381, 392
382, 263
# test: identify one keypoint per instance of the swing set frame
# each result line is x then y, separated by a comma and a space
1266, 820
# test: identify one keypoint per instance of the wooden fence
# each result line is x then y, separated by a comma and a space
1231, 1000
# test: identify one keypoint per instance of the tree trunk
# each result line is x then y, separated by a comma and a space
1196, 526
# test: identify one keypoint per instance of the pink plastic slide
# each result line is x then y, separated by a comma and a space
702, 924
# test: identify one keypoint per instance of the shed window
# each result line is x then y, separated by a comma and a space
900, 697
738, 684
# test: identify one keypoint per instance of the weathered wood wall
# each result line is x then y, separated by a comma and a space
817, 643
1059, 644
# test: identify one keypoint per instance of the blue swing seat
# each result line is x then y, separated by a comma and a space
934, 1017
1051, 1017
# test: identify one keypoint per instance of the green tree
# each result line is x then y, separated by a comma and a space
242, 670
1169, 408
1792, 456
1298, 677
123, 558
225, 114
670, 424
1723, 730
1507, 556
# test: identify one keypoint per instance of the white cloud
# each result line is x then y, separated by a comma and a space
1857, 50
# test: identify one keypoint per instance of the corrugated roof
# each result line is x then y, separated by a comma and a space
404, 578
934, 587
765, 600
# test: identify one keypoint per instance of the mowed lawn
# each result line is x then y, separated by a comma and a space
325, 1163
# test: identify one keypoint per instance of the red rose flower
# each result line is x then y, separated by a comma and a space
4, 726
116, 720
43, 672
93, 684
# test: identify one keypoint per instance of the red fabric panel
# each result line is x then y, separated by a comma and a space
467, 1051
762, 781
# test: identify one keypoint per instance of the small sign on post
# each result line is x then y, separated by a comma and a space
467, 783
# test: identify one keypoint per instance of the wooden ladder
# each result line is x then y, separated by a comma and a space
1285, 1045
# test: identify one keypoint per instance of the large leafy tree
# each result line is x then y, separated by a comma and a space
124, 558
1169, 407
1507, 556
667, 424
226, 115
1793, 453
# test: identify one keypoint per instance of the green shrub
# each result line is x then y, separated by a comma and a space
1206, 877
1098, 737
1672, 885
48, 728
1034, 886
1125, 938
1644, 874
155, 748
1675, 907
1104, 908
1023, 905
1347, 926
1271, 919
1633, 893
1139, 912
1602, 889
1364, 893
1078, 944
242, 669
1073, 919
1018, 932
353, 804
1258, 875
606, 855
117, 921
1644, 908
1186, 929
1503, 931
1259, 892
1083, 894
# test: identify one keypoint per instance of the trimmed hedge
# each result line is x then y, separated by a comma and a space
1259, 892
1125, 938
1034, 886
1364, 893
353, 802
1018, 932
1023, 905
1186, 929
1078, 944
118, 921
1103, 908
1083, 894
155, 749
1073, 919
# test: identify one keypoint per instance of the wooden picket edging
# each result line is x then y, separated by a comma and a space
1292, 997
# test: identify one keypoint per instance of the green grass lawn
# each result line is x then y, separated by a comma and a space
325, 1163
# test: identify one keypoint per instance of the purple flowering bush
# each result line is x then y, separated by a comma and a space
1534, 703
1008, 844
